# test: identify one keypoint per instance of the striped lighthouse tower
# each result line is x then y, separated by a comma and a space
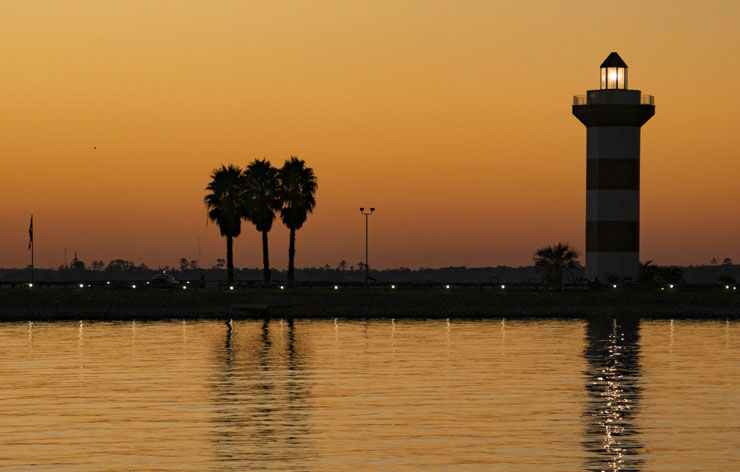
613, 116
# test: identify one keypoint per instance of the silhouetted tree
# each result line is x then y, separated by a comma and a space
671, 274
261, 201
184, 264
651, 273
727, 261
120, 265
556, 263
298, 197
225, 207
648, 272
77, 264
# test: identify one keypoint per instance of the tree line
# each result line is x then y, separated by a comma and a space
256, 194
559, 263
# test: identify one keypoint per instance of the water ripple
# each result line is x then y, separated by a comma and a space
369, 395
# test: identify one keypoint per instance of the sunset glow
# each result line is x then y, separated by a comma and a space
452, 119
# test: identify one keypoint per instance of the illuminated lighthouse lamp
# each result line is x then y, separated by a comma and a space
613, 73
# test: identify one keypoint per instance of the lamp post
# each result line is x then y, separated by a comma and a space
367, 268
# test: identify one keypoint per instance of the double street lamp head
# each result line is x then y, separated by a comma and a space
367, 265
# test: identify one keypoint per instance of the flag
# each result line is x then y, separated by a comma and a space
30, 234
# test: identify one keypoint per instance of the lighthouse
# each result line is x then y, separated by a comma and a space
613, 116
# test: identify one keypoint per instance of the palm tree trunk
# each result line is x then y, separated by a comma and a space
229, 259
291, 256
265, 258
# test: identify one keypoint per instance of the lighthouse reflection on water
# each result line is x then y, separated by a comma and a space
612, 382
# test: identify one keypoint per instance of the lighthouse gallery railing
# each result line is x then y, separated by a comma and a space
644, 100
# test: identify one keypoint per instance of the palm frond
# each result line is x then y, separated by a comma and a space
298, 187
556, 263
223, 200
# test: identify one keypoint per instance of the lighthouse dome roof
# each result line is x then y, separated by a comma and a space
613, 60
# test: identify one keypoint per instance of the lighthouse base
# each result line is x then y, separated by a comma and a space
612, 267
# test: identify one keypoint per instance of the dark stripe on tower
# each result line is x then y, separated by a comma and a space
612, 142
612, 236
613, 174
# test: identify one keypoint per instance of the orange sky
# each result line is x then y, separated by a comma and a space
452, 118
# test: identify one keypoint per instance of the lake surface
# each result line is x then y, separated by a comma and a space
377, 395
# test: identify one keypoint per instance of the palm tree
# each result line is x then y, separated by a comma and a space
556, 262
223, 203
261, 201
297, 194
648, 272
651, 274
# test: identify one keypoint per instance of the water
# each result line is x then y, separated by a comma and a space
379, 395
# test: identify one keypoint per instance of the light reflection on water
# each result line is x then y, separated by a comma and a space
342, 395
612, 438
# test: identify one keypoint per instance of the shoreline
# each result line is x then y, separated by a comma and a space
58, 304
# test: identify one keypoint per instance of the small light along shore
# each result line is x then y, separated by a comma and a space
469, 302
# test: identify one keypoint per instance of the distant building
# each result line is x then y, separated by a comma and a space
613, 116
